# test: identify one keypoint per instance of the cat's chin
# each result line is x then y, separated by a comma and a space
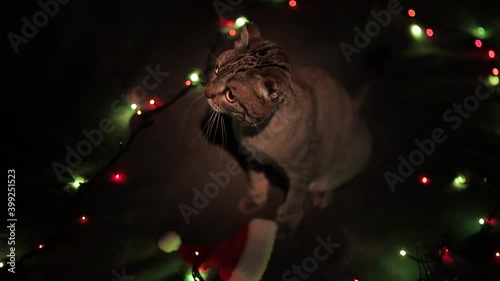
249, 122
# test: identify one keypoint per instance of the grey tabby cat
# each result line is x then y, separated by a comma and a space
299, 120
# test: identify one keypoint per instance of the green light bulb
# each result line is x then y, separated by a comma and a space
480, 31
194, 77
493, 80
240, 21
416, 31
78, 181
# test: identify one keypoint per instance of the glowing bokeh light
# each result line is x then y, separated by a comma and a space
460, 181
429, 32
188, 83
241, 21
478, 43
194, 77
424, 180
139, 112
416, 31
491, 54
133, 106
1, 264
41, 246
494, 80
151, 101
83, 219
77, 182
497, 254
480, 31
402, 252
117, 177
481, 221
411, 13
232, 32
494, 71
292, 3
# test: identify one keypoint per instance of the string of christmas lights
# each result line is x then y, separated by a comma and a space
81, 185
479, 33
425, 257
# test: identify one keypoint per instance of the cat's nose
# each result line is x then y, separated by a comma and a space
211, 91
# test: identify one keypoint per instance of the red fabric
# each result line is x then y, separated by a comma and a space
224, 255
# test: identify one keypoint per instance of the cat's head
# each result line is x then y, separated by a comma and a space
250, 80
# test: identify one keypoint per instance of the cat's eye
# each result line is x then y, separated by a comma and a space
229, 96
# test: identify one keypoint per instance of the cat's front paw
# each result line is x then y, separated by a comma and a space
248, 204
288, 221
321, 199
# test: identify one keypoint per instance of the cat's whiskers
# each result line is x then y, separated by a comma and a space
217, 121
205, 127
210, 127
211, 112
212, 54
223, 137
190, 106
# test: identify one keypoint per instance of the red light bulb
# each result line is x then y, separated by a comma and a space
292, 3
491, 54
495, 71
117, 177
424, 180
429, 32
84, 219
478, 43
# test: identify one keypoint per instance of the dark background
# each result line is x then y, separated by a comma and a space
66, 77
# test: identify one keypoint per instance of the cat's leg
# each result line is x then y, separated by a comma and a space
256, 196
290, 213
321, 199
321, 191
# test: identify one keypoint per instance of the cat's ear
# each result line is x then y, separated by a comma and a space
249, 33
271, 88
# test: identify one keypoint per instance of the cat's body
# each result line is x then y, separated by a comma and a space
316, 132
301, 121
